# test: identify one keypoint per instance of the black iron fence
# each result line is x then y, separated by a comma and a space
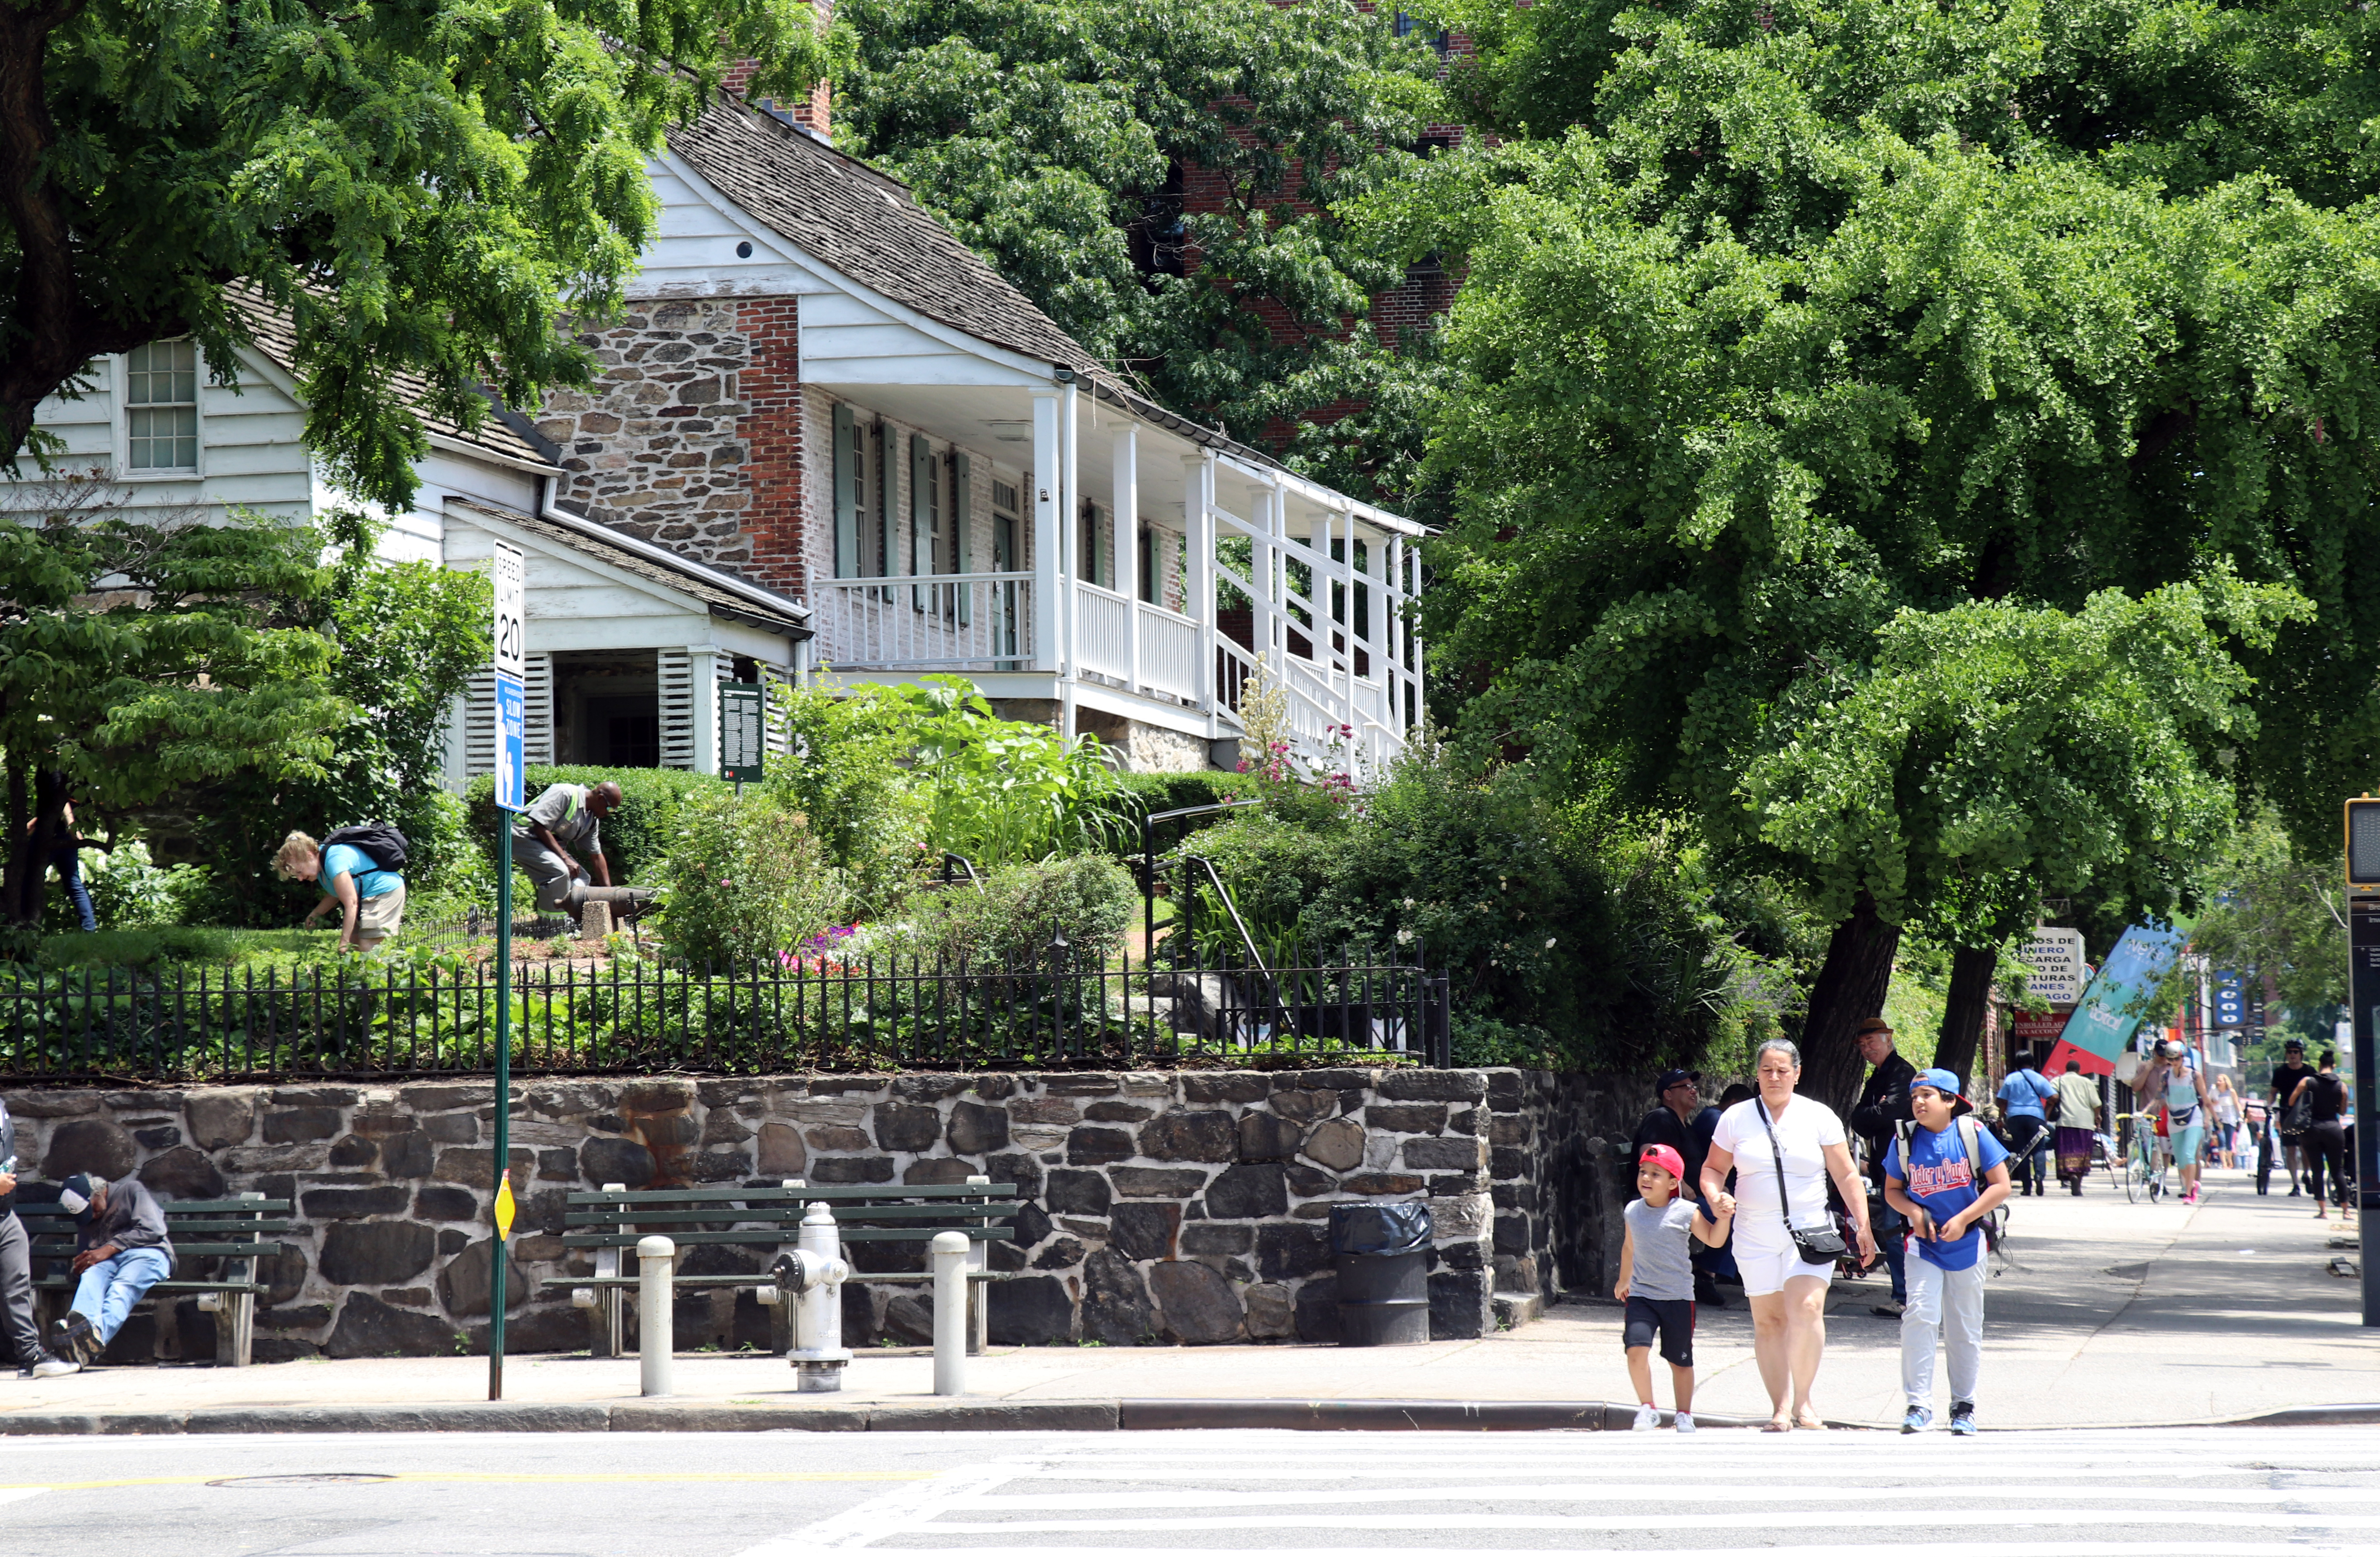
432, 1016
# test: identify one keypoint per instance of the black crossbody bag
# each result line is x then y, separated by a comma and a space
1822, 1246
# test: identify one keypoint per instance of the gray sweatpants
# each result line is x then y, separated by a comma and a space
16, 1291
550, 870
1948, 1305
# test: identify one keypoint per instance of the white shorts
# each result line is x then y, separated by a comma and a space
1766, 1267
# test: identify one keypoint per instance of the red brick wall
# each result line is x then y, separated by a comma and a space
771, 428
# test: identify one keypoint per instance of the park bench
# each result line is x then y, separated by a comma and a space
234, 1231
769, 1217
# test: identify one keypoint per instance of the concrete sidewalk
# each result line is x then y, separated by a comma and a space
2108, 1314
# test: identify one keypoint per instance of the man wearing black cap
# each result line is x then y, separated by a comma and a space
121, 1251
2286, 1076
1673, 1123
33, 1360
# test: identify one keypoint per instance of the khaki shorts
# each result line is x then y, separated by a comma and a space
376, 917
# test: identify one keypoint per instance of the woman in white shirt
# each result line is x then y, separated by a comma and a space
1788, 1294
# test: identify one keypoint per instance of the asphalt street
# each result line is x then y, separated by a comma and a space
2104, 1493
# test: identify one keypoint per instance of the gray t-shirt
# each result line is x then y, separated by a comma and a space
563, 810
1664, 1256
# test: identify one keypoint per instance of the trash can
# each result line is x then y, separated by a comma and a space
1382, 1252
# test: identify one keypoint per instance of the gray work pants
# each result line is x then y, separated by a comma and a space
550, 870
16, 1291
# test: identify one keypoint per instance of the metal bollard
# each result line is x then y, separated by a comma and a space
950, 1312
656, 1264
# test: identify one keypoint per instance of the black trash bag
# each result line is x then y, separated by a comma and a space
1399, 1227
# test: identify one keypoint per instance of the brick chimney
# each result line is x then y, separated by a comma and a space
812, 113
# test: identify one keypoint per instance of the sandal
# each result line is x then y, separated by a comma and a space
1811, 1423
1777, 1423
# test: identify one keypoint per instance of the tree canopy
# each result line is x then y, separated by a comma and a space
424, 184
1163, 177
1860, 410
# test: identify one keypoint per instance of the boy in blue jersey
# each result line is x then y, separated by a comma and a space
1946, 1175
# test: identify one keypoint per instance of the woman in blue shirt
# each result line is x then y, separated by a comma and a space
370, 900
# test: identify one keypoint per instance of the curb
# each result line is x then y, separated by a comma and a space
958, 1415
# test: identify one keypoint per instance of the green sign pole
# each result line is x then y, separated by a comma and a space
500, 1251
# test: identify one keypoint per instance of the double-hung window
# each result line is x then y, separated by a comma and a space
161, 405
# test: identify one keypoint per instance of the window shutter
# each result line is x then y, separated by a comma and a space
676, 674
847, 493
962, 495
537, 712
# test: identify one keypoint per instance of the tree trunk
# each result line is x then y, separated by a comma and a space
1962, 1014
25, 887
1850, 987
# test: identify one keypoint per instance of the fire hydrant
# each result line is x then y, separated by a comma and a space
813, 1275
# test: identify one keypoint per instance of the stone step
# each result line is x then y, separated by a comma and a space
1514, 1309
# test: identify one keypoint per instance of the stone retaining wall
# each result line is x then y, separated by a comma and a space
1165, 1206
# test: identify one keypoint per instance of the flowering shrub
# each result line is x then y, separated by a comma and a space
746, 880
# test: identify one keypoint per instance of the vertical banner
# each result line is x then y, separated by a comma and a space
2103, 1022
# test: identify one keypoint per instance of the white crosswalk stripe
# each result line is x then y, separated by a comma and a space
2223, 1493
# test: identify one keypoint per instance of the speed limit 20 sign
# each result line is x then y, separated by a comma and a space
511, 637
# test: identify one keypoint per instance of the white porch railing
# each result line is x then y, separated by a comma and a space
950, 621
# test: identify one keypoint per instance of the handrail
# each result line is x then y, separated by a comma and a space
1273, 984
1148, 862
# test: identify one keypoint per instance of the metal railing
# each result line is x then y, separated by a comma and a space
1051, 1011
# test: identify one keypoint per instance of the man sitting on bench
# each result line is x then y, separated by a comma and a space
121, 1251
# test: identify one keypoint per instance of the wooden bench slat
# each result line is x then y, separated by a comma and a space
811, 1192
171, 1208
789, 1216
848, 1234
68, 1284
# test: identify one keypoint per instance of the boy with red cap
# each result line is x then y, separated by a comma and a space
1946, 1176
1657, 1280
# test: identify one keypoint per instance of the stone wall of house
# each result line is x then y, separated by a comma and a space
1168, 1206
658, 446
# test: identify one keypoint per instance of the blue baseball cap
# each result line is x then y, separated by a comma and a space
1948, 1084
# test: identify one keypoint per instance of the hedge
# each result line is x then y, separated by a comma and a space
634, 835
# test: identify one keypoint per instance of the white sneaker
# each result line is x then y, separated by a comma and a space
53, 1368
1685, 1421
1647, 1419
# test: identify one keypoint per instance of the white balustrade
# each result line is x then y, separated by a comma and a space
1169, 653
950, 621
1103, 631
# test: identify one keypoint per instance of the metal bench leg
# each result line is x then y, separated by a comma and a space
606, 1320
780, 1318
979, 1311
235, 1317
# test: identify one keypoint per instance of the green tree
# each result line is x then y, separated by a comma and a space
1781, 326
198, 661
424, 187
2274, 909
1163, 177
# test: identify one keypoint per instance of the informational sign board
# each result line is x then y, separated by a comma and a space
2103, 1022
2228, 996
512, 739
2036, 1027
2054, 960
743, 731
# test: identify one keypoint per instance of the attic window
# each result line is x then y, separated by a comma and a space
161, 405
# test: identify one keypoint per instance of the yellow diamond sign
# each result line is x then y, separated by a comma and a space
505, 1206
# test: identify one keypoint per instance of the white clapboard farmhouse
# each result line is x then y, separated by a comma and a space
829, 439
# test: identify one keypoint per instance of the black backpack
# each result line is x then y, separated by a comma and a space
383, 843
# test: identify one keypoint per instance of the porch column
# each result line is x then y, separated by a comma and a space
1198, 540
1070, 554
1127, 538
703, 672
1048, 553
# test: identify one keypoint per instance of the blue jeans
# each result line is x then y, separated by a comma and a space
69, 868
1891, 1239
110, 1287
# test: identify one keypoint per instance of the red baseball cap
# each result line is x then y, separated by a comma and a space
1666, 1158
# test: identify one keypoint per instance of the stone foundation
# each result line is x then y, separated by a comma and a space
1176, 1207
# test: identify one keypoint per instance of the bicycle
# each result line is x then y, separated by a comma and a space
2144, 1158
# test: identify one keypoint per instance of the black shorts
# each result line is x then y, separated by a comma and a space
1672, 1318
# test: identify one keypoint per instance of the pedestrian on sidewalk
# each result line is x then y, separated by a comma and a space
1783, 1148
1657, 1280
1883, 1105
34, 1359
1673, 1123
2326, 1143
2078, 1124
563, 822
2025, 1097
2174, 1079
1946, 1175
2287, 1076
121, 1251
2227, 1121
365, 888
66, 858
